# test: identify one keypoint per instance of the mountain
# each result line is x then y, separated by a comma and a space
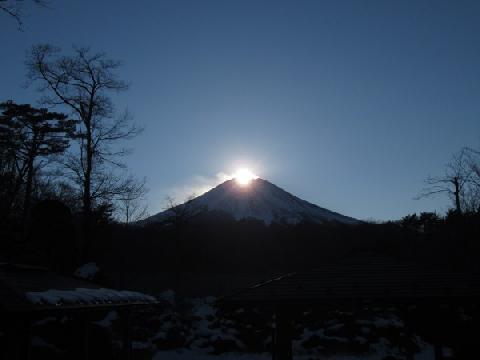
260, 200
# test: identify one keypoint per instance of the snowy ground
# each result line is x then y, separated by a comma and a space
201, 329
195, 355
209, 328
426, 354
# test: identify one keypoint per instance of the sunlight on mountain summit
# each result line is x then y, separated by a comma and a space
244, 176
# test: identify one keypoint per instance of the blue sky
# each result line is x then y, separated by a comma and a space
347, 104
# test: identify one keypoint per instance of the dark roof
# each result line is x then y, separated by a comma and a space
370, 279
25, 288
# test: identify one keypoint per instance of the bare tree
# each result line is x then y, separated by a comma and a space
472, 198
131, 206
178, 215
132, 210
14, 8
474, 163
84, 82
454, 183
51, 188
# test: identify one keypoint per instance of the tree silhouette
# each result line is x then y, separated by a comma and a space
453, 182
83, 82
178, 215
28, 137
131, 206
14, 8
472, 198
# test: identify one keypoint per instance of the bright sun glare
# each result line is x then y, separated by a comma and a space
244, 176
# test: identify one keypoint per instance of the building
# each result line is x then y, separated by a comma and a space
354, 283
30, 296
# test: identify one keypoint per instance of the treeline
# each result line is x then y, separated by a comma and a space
174, 257
69, 149
451, 240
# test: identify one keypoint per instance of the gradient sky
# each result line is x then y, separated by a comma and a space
347, 104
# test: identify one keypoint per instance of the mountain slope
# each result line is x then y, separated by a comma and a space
260, 200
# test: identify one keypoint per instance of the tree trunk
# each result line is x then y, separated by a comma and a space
87, 185
284, 328
87, 192
28, 189
12, 196
458, 207
7, 208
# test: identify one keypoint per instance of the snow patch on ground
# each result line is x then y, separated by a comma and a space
199, 329
205, 311
87, 271
139, 345
85, 296
167, 296
39, 342
44, 321
393, 321
196, 355
106, 322
426, 354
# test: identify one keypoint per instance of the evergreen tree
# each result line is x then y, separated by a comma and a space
28, 137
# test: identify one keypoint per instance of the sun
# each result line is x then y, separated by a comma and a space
244, 176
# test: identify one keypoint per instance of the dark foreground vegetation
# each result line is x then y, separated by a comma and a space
153, 256
67, 199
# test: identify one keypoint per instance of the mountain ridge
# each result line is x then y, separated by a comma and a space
261, 200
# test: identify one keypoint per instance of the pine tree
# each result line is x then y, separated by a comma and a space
28, 137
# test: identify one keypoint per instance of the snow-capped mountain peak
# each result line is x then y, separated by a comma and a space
260, 200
